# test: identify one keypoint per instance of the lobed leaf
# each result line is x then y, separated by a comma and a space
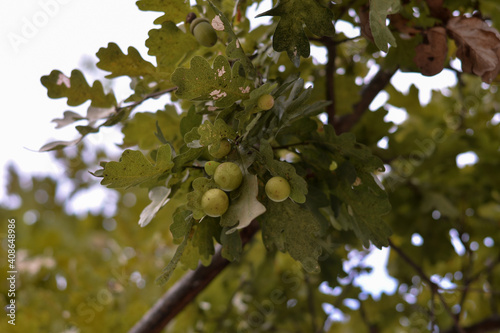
292, 228
232, 246
140, 130
174, 10
364, 204
181, 224
170, 45
221, 84
112, 59
290, 35
76, 89
167, 271
214, 133
379, 10
134, 169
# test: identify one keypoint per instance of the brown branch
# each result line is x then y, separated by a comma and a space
487, 325
186, 289
368, 94
414, 265
331, 48
145, 98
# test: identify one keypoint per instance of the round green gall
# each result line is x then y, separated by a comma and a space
265, 102
277, 189
210, 167
221, 150
228, 176
214, 202
203, 32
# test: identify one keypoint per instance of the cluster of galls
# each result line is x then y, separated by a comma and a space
228, 177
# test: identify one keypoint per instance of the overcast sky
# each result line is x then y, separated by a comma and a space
37, 37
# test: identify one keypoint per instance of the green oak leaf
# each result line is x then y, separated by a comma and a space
174, 10
185, 157
245, 208
346, 146
167, 271
76, 89
379, 10
213, 133
134, 169
181, 224
286, 170
364, 204
232, 246
112, 59
204, 235
290, 35
190, 120
292, 228
222, 84
170, 45
140, 130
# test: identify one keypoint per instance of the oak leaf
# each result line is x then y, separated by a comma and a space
431, 54
478, 46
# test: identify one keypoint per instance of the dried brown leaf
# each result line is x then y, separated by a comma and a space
478, 46
430, 56
364, 18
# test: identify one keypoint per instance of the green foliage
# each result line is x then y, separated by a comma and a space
289, 227
379, 10
113, 60
357, 180
175, 11
290, 35
222, 84
76, 89
171, 40
134, 169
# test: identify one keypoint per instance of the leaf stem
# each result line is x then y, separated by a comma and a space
145, 98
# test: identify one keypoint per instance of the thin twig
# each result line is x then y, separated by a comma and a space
432, 285
331, 49
145, 98
486, 325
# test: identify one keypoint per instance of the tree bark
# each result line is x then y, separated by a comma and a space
487, 325
368, 94
186, 289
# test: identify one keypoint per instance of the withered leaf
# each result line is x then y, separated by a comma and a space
364, 17
478, 46
430, 56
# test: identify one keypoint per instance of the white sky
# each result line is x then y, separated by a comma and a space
65, 32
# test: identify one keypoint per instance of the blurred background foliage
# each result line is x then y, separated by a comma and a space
91, 271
